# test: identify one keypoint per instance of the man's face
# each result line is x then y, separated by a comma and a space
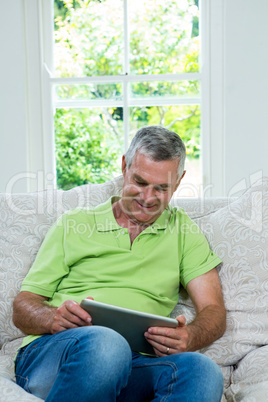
148, 187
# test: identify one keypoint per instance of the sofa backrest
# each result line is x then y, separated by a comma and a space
237, 231
24, 222
238, 234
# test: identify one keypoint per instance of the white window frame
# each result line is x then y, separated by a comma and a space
41, 163
212, 98
39, 62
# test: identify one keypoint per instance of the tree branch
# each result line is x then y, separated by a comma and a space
181, 118
110, 121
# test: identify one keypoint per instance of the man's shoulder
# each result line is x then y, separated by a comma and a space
178, 217
87, 214
89, 210
177, 212
77, 213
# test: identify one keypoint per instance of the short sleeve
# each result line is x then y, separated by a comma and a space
49, 266
197, 257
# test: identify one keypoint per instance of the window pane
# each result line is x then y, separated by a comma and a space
182, 89
164, 36
89, 41
88, 91
89, 145
191, 185
184, 120
89, 38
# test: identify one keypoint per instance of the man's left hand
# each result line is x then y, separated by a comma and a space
167, 341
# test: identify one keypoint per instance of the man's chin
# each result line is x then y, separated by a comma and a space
149, 210
145, 218
141, 214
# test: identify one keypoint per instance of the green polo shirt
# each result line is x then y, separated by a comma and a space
86, 253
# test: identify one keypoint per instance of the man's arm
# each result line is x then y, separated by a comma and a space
33, 316
208, 325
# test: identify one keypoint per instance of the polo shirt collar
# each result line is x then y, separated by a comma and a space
106, 222
104, 216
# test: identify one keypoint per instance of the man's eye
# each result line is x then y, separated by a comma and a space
160, 189
140, 183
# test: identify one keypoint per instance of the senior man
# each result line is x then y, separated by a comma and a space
135, 254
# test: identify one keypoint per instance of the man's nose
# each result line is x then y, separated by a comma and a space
149, 194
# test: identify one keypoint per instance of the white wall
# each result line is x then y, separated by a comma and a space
13, 124
244, 96
245, 90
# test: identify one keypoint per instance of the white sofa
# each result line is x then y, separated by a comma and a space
237, 231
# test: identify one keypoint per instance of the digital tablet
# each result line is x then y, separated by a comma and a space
131, 324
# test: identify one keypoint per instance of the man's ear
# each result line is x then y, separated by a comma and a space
179, 182
124, 165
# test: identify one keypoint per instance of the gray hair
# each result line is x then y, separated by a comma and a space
159, 144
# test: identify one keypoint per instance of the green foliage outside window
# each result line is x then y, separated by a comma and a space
89, 42
86, 151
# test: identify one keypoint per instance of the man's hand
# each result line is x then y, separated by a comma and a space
208, 325
34, 316
167, 341
69, 315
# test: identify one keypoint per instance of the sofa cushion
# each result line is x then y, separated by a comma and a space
24, 222
238, 234
198, 207
249, 380
11, 392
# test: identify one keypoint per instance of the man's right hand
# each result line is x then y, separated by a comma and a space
33, 316
69, 315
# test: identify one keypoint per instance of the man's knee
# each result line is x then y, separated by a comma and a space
105, 347
206, 376
107, 357
207, 367
105, 340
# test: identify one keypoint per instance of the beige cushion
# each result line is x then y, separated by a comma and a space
238, 233
249, 382
11, 392
198, 207
24, 222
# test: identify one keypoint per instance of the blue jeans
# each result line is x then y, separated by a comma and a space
96, 364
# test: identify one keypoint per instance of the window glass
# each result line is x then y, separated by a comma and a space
120, 65
89, 145
182, 89
164, 36
184, 120
89, 91
88, 38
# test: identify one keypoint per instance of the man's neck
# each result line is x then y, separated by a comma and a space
126, 221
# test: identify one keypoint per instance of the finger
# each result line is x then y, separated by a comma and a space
161, 342
68, 312
60, 324
166, 352
161, 350
72, 319
158, 348
177, 343
77, 312
163, 331
181, 320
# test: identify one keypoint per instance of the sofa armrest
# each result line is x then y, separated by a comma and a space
11, 392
